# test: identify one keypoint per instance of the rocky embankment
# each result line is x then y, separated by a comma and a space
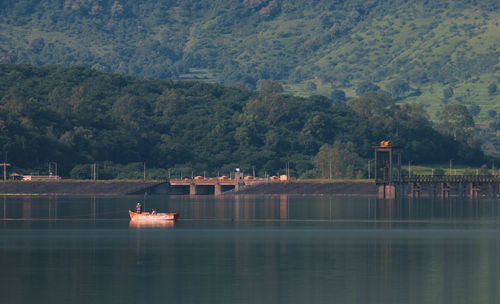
67, 187
64, 187
313, 188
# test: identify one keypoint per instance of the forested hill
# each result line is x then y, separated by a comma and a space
434, 52
76, 116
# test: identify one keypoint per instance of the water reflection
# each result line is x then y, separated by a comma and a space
238, 208
278, 249
152, 224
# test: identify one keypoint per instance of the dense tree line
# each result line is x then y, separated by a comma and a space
76, 116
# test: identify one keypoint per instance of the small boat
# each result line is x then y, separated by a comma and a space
153, 216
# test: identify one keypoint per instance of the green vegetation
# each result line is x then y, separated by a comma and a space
77, 116
433, 53
309, 47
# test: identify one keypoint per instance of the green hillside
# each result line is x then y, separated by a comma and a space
311, 48
76, 116
434, 53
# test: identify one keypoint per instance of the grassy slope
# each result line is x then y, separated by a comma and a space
439, 41
396, 39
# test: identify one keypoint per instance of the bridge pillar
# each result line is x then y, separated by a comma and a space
445, 190
217, 189
474, 190
192, 189
386, 191
415, 190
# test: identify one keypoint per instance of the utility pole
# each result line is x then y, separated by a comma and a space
369, 176
450, 167
144, 171
330, 176
93, 172
409, 168
50, 168
5, 165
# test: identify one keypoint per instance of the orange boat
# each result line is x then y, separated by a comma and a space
147, 216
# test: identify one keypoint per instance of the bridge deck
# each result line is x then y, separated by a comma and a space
201, 182
451, 179
442, 185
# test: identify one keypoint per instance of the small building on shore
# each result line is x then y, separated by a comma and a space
40, 177
16, 176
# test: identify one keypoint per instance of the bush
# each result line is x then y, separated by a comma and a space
448, 92
366, 86
492, 89
484, 170
311, 85
338, 95
80, 172
474, 109
398, 87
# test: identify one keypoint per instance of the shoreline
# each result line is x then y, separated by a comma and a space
74, 188
352, 188
113, 188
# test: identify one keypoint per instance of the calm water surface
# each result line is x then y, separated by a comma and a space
237, 249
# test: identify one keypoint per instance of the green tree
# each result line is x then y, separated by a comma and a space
455, 120
492, 89
492, 113
376, 107
474, 109
366, 86
270, 86
409, 118
448, 92
168, 104
339, 160
338, 96
398, 87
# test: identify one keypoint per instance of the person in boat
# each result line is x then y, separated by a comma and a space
138, 208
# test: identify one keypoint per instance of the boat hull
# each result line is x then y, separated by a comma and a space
146, 216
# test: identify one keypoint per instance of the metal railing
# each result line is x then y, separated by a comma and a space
449, 179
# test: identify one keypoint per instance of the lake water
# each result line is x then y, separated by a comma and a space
239, 249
